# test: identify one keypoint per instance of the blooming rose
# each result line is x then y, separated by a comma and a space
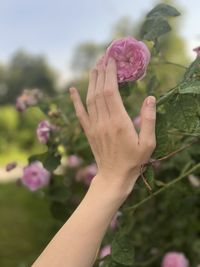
174, 259
28, 98
73, 161
43, 131
132, 58
35, 176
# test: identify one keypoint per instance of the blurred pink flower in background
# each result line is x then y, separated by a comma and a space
43, 131
114, 221
106, 250
197, 50
87, 174
74, 161
132, 58
175, 259
28, 98
10, 166
35, 176
137, 122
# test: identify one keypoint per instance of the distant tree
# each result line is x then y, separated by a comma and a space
85, 56
26, 71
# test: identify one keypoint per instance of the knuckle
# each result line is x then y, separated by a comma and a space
102, 128
79, 114
108, 92
89, 101
98, 94
150, 116
92, 72
151, 143
118, 127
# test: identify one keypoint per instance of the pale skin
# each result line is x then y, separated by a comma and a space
119, 152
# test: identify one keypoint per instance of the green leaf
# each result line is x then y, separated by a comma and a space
154, 27
156, 23
123, 249
193, 71
49, 159
184, 113
192, 87
164, 10
58, 193
108, 262
59, 211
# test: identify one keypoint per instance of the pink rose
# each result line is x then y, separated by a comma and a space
35, 176
132, 58
106, 250
43, 131
197, 50
87, 174
74, 161
28, 98
114, 221
175, 259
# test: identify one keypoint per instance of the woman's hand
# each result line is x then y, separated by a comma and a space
118, 149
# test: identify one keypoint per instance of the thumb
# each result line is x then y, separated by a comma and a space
147, 138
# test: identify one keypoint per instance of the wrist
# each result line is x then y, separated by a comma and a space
117, 188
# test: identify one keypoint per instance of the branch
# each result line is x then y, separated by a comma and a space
179, 178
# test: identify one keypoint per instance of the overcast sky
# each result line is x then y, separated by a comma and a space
55, 27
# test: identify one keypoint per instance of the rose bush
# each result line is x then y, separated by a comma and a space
150, 224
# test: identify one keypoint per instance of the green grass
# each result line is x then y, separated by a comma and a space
26, 225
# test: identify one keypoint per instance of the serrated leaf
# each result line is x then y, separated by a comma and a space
192, 87
156, 23
123, 250
154, 27
184, 113
164, 10
193, 71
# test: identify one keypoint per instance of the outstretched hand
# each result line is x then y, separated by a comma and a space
118, 149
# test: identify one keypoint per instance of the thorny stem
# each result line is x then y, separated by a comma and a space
151, 161
174, 181
172, 63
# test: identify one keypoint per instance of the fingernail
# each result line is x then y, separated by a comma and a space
151, 101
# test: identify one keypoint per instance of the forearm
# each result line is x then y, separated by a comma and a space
77, 242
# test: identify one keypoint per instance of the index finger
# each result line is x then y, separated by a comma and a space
111, 91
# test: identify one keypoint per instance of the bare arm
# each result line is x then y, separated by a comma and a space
119, 152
